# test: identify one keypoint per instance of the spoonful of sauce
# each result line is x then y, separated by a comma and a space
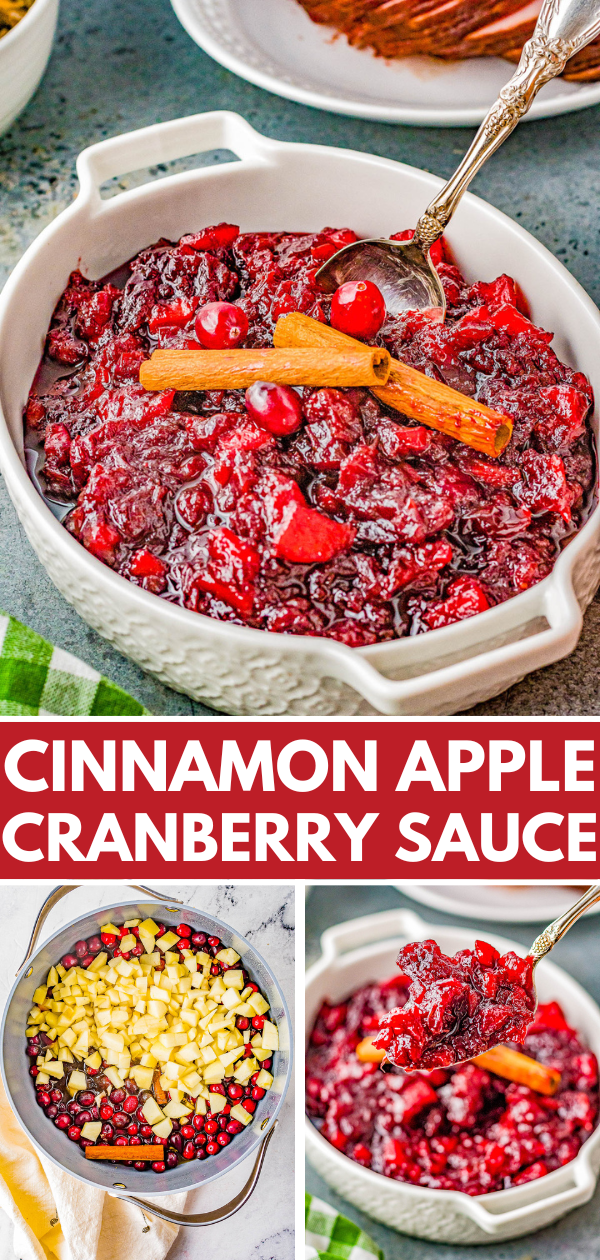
461, 1007
402, 270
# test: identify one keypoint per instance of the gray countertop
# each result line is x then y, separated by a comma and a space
121, 64
577, 1236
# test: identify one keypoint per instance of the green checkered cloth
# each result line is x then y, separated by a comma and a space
37, 678
328, 1234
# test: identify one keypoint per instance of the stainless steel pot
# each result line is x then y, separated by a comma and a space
51, 1141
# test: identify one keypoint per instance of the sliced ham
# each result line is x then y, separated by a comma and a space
451, 29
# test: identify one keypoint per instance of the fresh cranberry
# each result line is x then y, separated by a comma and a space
258, 1093
109, 939
198, 1122
176, 1141
212, 1148
200, 1152
242, 1022
276, 408
132, 1128
52, 1111
120, 1120
161, 930
73, 1108
253, 987
267, 1064
249, 1105
210, 1126
137, 950
223, 1139
189, 1151
106, 1111
199, 938
358, 309
70, 960
234, 1090
121, 1140
86, 1097
33, 1071
81, 949
158, 1166
200, 1139
107, 1132
62, 1121
146, 1130
130, 1104
33, 1051
221, 325
84, 1117
216, 969
258, 1022
187, 1131
118, 1095
74, 1132
172, 1159
233, 1127
56, 1095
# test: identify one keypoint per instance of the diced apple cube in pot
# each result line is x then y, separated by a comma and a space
176, 1109
165, 942
76, 1082
239, 1113
163, 1128
91, 1130
270, 1036
152, 1112
217, 1102
264, 1079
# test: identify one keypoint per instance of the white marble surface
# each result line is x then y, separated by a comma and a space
264, 1228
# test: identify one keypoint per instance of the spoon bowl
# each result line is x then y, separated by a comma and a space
402, 271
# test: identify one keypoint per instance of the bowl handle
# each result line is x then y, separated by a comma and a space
494, 1222
61, 891
166, 142
365, 931
510, 661
218, 1214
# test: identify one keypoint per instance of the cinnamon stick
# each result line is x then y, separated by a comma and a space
350, 365
518, 1067
158, 1090
411, 392
124, 1152
367, 1053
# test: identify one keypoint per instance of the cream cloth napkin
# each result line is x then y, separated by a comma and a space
56, 1217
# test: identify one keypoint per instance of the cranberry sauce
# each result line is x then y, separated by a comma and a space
199, 1134
459, 1128
317, 512
457, 1007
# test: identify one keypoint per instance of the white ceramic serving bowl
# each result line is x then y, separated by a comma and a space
24, 54
365, 949
294, 186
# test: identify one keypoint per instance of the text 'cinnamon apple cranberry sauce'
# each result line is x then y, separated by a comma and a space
315, 511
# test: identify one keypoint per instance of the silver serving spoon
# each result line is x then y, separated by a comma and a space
402, 270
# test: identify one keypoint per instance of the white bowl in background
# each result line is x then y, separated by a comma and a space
499, 903
365, 949
274, 186
24, 54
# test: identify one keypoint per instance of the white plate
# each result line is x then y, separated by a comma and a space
274, 44
500, 903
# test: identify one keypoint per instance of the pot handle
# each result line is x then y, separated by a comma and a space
166, 142
218, 1214
365, 931
61, 891
494, 1222
418, 692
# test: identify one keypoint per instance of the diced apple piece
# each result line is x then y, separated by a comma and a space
189, 1053
142, 1076
173, 1071
165, 942
163, 1128
110, 927
91, 1130
52, 978
54, 1068
42, 1078
264, 1079
230, 1056
228, 957
127, 943
98, 962
149, 927
152, 1112
65, 1056
114, 1077
158, 1009
214, 1072
257, 1001
190, 1080
239, 1113
76, 1082
230, 999
245, 1070
270, 1036
217, 1102
176, 1110
114, 1041
233, 980
40, 995
200, 1106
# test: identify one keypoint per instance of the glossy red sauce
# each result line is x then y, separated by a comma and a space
458, 1128
361, 525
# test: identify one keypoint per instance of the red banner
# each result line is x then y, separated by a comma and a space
352, 799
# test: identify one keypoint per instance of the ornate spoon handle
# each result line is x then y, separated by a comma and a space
548, 938
562, 29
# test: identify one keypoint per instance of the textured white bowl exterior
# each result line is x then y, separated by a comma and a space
24, 54
365, 949
297, 186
